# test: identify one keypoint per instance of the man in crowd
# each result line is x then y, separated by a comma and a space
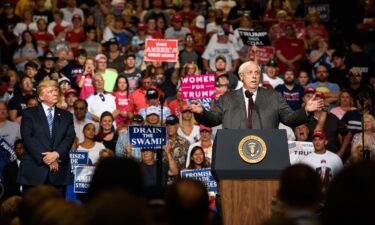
178, 144
9, 131
325, 162
291, 92
270, 76
109, 75
132, 73
100, 101
80, 119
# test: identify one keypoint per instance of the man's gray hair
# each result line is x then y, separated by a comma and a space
246, 64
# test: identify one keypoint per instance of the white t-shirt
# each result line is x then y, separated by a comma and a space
219, 49
10, 132
69, 14
325, 164
94, 151
21, 27
273, 82
179, 35
193, 137
97, 106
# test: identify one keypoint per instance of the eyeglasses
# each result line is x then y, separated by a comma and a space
102, 97
354, 75
249, 73
79, 108
322, 71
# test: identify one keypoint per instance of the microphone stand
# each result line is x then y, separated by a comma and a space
366, 152
159, 152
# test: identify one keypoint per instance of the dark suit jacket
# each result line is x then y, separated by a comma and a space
36, 137
269, 109
11, 187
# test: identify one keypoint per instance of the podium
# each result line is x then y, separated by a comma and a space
246, 187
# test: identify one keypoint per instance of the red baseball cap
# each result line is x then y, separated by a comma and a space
141, 26
320, 95
321, 134
310, 90
76, 16
185, 108
177, 18
57, 29
70, 91
202, 128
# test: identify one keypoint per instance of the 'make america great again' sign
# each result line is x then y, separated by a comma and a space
161, 50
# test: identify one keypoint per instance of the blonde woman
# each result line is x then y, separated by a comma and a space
369, 139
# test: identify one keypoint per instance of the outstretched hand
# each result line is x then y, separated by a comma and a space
196, 107
314, 104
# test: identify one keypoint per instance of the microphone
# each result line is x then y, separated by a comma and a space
248, 94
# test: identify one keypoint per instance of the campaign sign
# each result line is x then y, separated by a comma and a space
298, 150
78, 157
203, 175
147, 137
82, 179
198, 86
6, 147
322, 9
161, 50
263, 54
257, 38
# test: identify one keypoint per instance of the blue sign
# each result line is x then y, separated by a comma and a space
7, 154
147, 137
78, 157
203, 175
82, 179
322, 9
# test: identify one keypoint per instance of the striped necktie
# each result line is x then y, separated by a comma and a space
50, 119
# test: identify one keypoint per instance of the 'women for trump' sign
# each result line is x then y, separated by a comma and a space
198, 86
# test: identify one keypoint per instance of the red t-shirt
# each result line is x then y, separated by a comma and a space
87, 88
124, 104
43, 37
289, 48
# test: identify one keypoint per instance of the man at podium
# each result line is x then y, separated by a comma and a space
253, 107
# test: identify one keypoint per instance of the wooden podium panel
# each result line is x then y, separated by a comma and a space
246, 202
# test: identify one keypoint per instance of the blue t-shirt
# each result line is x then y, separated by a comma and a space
293, 97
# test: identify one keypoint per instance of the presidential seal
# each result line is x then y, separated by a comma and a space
252, 149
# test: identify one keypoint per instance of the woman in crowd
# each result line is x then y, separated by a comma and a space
356, 152
123, 101
345, 103
303, 78
26, 23
28, 50
197, 158
89, 144
77, 34
64, 85
187, 128
314, 31
107, 134
273, 7
85, 80
320, 55
246, 24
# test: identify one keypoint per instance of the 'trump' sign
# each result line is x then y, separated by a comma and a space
257, 38
161, 50
198, 86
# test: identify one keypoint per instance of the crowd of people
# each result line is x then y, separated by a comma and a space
93, 51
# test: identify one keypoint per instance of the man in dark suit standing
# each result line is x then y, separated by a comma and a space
48, 134
252, 107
